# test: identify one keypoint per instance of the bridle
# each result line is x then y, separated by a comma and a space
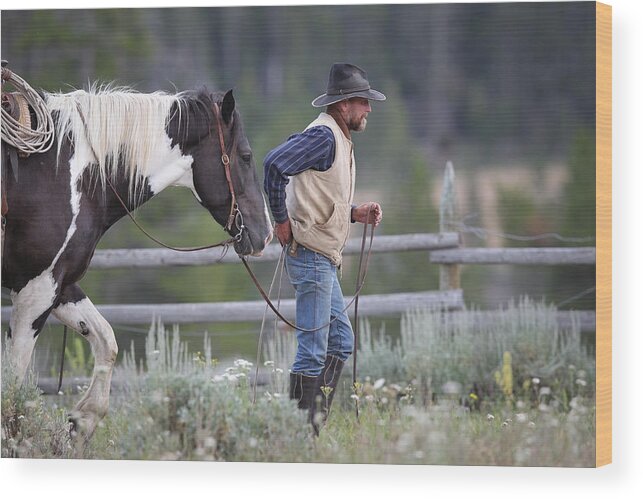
235, 217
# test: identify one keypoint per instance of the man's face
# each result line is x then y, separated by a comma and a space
356, 112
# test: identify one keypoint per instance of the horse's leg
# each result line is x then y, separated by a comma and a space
80, 314
31, 307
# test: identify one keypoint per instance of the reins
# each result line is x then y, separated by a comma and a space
358, 288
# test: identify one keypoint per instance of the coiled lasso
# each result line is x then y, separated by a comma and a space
15, 133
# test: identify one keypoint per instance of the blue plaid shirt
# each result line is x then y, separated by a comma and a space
313, 148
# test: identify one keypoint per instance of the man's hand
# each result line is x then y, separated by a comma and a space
360, 213
283, 232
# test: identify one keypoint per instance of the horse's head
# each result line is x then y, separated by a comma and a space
212, 133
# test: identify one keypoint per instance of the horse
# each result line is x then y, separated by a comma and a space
115, 148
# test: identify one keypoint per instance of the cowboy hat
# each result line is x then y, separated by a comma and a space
346, 81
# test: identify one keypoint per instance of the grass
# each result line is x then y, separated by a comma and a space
416, 404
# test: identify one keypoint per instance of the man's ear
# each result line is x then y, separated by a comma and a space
343, 105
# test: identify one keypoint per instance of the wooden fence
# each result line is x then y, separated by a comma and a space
444, 249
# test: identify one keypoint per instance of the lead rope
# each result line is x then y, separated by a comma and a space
62, 361
280, 316
263, 319
356, 335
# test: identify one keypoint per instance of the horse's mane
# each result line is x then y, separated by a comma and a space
118, 126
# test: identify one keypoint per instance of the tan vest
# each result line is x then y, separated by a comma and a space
319, 203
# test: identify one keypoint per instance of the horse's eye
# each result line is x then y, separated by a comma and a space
247, 157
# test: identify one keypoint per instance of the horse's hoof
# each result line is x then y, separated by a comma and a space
73, 426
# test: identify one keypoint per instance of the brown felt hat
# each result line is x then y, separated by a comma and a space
346, 81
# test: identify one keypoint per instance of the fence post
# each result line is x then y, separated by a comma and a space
449, 273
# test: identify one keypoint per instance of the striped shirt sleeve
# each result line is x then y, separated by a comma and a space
314, 148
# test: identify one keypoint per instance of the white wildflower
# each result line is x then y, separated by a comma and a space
242, 363
521, 417
490, 417
379, 384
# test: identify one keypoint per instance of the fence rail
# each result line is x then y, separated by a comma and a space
156, 257
241, 311
516, 256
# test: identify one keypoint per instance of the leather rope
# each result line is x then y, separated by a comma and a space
62, 360
359, 286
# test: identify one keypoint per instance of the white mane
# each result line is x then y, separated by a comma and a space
120, 125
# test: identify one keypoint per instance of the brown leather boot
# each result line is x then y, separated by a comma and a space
325, 391
302, 389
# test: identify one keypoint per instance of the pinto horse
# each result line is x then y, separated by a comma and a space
115, 147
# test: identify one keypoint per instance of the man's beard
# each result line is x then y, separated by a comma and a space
357, 124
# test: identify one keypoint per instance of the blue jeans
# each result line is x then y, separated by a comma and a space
319, 299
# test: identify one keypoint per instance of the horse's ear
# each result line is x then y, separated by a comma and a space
227, 108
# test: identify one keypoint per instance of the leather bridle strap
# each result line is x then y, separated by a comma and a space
225, 159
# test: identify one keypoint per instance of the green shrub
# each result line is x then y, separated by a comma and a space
30, 428
181, 407
442, 352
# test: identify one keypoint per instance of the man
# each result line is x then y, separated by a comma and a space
310, 181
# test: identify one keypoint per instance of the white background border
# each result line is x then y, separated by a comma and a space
51, 479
